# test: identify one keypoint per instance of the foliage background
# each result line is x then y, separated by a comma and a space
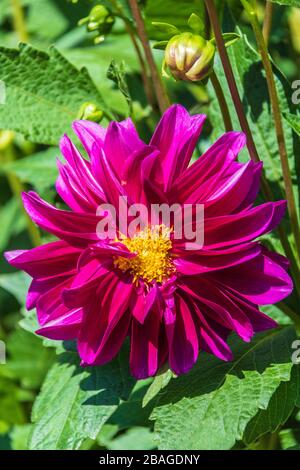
252, 402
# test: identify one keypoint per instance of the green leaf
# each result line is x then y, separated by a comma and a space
19, 437
136, 438
229, 38
97, 60
197, 24
38, 20
279, 409
167, 11
11, 410
294, 121
159, 383
12, 221
131, 412
75, 401
16, 284
165, 30
39, 169
274, 312
210, 407
28, 360
290, 3
44, 93
160, 45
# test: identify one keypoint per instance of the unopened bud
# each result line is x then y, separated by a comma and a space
189, 57
100, 19
90, 112
6, 138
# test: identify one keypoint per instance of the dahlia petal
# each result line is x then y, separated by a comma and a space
254, 189
143, 303
245, 226
39, 287
144, 346
44, 261
262, 281
176, 136
182, 338
203, 261
75, 228
110, 184
84, 284
231, 193
214, 344
209, 167
133, 174
89, 133
50, 304
213, 339
110, 319
70, 192
259, 321
215, 305
80, 169
121, 140
66, 327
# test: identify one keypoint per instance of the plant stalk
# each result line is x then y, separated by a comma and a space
144, 72
287, 178
222, 101
213, 16
267, 27
160, 91
245, 127
19, 20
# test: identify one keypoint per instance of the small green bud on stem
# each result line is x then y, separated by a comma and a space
90, 112
100, 19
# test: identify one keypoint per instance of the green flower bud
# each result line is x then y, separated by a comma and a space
189, 57
100, 19
90, 112
6, 138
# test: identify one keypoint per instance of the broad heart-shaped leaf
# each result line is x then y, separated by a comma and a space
279, 409
210, 407
75, 402
251, 82
44, 93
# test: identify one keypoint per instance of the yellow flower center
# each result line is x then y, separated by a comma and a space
153, 260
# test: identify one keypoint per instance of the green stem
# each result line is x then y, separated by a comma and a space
160, 91
19, 20
267, 27
144, 72
290, 313
222, 101
290, 255
266, 189
287, 178
213, 16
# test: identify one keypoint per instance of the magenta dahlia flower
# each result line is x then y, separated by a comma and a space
172, 302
